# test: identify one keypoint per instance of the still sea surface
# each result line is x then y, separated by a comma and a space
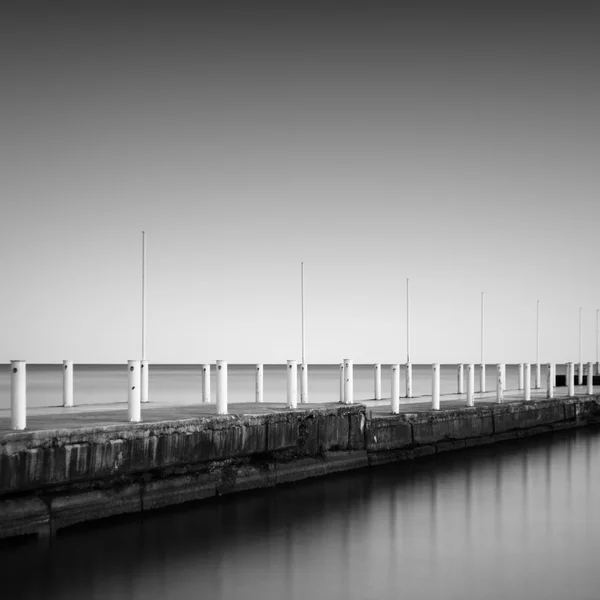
182, 384
517, 520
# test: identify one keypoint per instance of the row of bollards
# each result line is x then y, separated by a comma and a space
138, 385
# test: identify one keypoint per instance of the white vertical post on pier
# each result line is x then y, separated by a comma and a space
460, 378
134, 392
409, 371
470, 384
590, 379
292, 384
348, 381
67, 383
550, 374
527, 392
482, 367
259, 383
499, 384
538, 370
206, 383
435, 386
303, 366
395, 389
570, 379
144, 364
342, 383
521, 375
580, 374
18, 394
221, 387
377, 377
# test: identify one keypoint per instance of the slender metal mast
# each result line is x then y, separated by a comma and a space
143, 295
302, 310
407, 321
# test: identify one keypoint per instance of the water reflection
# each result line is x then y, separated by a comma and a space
526, 508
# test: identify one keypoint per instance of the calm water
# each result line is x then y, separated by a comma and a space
516, 520
182, 384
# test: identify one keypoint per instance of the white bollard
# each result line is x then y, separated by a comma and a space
292, 384
550, 376
461, 379
527, 382
342, 383
435, 386
348, 381
144, 381
538, 376
221, 387
570, 379
259, 384
521, 376
580, 374
377, 376
303, 383
470, 384
409, 380
590, 379
395, 389
482, 378
67, 383
134, 395
205, 384
18, 394
499, 384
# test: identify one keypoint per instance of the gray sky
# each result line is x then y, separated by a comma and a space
458, 146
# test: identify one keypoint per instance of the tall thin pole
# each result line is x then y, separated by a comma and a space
482, 325
407, 321
580, 334
537, 335
302, 310
597, 346
143, 295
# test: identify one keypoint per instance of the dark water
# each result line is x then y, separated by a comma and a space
515, 520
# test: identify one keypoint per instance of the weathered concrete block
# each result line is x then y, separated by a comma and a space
356, 432
282, 433
298, 469
345, 461
177, 490
522, 416
388, 434
23, 516
334, 431
238, 477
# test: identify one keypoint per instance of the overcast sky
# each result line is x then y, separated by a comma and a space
455, 145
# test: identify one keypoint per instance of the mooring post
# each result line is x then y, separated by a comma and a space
499, 384
521, 376
571, 379
221, 387
18, 395
590, 379
470, 384
303, 383
348, 381
409, 380
395, 389
461, 378
144, 372
292, 384
134, 378
342, 383
259, 383
550, 373
527, 387
377, 376
435, 386
67, 383
205, 383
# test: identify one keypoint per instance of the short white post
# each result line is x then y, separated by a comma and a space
134, 379
550, 380
292, 384
521, 376
470, 384
206, 383
461, 378
303, 383
435, 386
67, 383
538, 376
395, 389
527, 387
18, 395
409, 380
571, 379
377, 376
221, 387
259, 383
482, 377
342, 383
144, 381
580, 374
348, 381
590, 379
499, 384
